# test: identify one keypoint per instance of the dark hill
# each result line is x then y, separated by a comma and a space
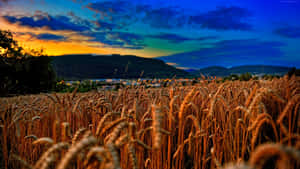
260, 69
253, 69
212, 71
112, 66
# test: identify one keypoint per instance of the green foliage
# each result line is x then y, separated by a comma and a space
83, 86
232, 77
242, 77
245, 77
248, 76
23, 71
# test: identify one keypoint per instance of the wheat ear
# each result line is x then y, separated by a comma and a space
44, 140
267, 151
77, 135
156, 125
114, 155
94, 152
51, 150
101, 123
132, 156
117, 130
74, 150
23, 162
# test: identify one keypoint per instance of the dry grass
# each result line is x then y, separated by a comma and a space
254, 124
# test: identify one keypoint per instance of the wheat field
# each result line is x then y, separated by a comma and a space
254, 124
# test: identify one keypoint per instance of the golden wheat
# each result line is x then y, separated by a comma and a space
206, 126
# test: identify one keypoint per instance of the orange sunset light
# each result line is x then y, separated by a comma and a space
76, 44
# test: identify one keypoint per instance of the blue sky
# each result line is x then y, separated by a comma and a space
184, 33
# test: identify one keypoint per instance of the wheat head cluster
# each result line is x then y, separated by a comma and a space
245, 125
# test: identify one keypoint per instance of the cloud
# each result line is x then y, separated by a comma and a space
288, 32
164, 18
223, 18
5, 1
43, 20
206, 38
107, 7
72, 27
98, 25
101, 25
124, 40
127, 12
31, 36
53, 37
171, 64
129, 39
114, 11
231, 53
78, 20
79, 1
174, 38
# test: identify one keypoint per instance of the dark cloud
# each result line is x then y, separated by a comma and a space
206, 38
101, 25
99, 30
126, 12
129, 39
115, 11
107, 7
118, 39
29, 36
174, 38
231, 53
5, 1
97, 25
79, 1
288, 32
78, 20
40, 20
47, 36
164, 18
224, 18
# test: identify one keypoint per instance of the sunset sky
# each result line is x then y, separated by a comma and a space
187, 33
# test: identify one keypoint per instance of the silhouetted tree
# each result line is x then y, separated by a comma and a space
23, 71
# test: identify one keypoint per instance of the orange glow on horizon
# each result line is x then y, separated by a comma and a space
53, 48
76, 44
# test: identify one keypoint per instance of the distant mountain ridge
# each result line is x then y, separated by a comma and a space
87, 66
253, 69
